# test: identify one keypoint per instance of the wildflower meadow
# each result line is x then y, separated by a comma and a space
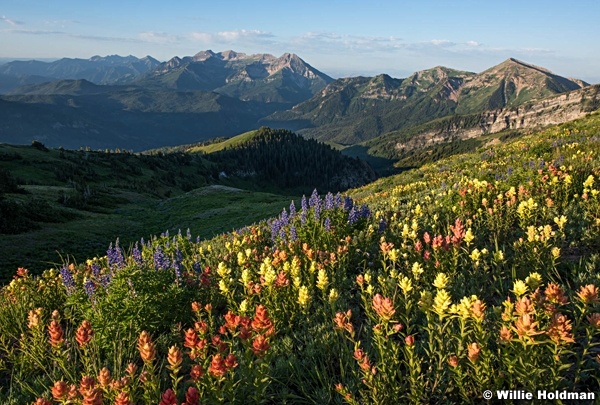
477, 272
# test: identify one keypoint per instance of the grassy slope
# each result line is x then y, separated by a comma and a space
120, 212
215, 147
526, 191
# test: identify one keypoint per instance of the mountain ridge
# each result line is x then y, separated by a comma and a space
343, 113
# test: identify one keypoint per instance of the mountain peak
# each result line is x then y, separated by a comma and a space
203, 55
512, 62
231, 55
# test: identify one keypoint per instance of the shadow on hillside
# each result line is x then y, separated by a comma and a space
382, 166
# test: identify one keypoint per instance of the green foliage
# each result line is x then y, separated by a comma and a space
286, 160
479, 270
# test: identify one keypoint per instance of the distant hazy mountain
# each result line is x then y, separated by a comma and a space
261, 77
353, 110
98, 69
83, 114
138, 104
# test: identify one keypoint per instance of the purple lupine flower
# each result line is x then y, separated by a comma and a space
353, 216
96, 270
198, 239
338, 200
542, 164
178, 264
509, 171
292, 209
303, 217
105, 280
365, 212
284, 218
67, 279
161, 262
329, 202
293, 233
115, 256
304, 204
348, 203
315, 203
142, 242
327, 224
314, 199
167, 233
197, 267
382, 225
137, 255
179, 233
89, 289
275, 228
188, 235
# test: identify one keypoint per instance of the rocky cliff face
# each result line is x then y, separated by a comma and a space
549, 111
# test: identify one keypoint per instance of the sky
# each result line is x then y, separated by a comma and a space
340, 38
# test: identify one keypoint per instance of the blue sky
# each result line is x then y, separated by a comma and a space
341, 38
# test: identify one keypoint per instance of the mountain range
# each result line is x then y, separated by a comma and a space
131, 103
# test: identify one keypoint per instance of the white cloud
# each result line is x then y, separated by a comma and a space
441, 42
10, 21
473, 43
157, 37
231, 36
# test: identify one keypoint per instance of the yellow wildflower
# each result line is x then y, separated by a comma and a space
533, 281
441, 281
519, 288
322, 280
441, 302
406, 285
303, 297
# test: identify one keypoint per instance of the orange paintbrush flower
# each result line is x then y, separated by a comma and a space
131, 369
473, 352
60, 390
146, 347
261, 322
56, 334
588, 294
123, 399
191, 338
148, 352
217, 366
260, 345
560, 329
168, 398
92, 397
192, 396
231, 361
42, 401
196, 373
505, 334
34, 317
594, 320
104, 377
84, 333
523, 306
526, 327
384, 307
87, 383
231, 321
174, 358
555, 294
453, 361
